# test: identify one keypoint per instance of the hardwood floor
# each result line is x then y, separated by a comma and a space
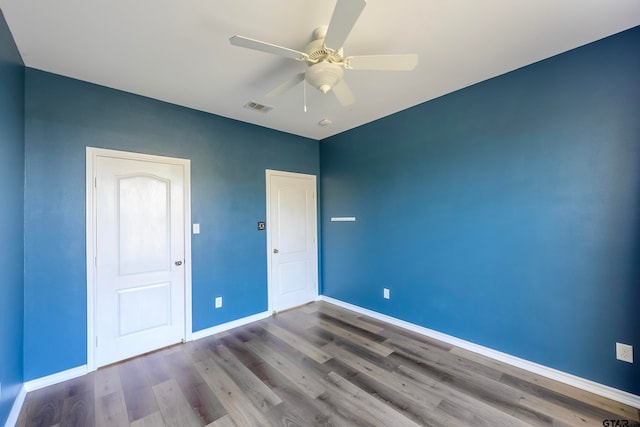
317, 365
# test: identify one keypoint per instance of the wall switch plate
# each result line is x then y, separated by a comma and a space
386, 293
218, 302
196, 228
624, 352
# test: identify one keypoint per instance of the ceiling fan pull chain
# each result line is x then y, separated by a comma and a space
304, 96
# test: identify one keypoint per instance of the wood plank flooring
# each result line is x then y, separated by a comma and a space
317, 365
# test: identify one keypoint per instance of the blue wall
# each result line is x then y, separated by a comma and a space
228, 162
11, 218
506, 214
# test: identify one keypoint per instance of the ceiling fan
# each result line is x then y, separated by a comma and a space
325, 58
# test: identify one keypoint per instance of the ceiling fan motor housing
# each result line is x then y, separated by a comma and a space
316, 50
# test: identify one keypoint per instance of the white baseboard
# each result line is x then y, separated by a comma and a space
578, 382
554, 374
16, 408
56, 378
229, 325
59, 377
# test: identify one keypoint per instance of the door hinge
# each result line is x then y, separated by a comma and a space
95, 182
96, 341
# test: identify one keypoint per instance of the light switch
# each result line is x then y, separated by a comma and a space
196, 228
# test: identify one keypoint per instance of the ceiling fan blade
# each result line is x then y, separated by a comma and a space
268, 48
343, 93
343, 19
382, 62
286, 86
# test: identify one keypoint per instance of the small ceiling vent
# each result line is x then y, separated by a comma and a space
252, 105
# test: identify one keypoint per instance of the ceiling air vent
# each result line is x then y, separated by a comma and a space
252, 105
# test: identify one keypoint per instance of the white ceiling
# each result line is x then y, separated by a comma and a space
179, 51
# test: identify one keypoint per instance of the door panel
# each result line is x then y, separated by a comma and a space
292, 239
143, 308
292, 217
143, 224
139, 237
290, 274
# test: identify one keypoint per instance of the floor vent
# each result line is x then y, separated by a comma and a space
252, 105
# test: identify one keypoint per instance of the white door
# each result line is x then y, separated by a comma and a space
140, 254
292, 239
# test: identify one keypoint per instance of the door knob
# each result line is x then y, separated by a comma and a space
275, 251
178, 263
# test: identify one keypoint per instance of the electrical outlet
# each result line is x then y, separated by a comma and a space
218, 302
624, 352
385, 293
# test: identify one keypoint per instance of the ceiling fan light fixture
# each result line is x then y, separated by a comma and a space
324, 76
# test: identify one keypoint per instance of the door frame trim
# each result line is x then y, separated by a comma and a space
91, 157
270, 285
